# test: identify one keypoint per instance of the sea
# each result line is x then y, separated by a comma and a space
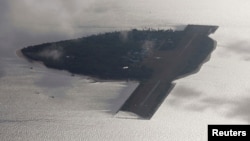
38, 103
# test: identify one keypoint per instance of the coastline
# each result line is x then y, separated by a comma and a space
92, 79
192, 50
200, 65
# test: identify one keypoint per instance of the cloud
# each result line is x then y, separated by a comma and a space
4, 23
190, 99
3, 10
241, 109
77, 17
241, 48
62, 16
106, 6
186, 92
54, 54
26, 21
1, 71
40, 18
181, 96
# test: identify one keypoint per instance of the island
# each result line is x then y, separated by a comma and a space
155, 58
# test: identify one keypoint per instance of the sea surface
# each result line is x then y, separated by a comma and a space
37, 103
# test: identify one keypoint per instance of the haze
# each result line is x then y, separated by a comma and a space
45, 104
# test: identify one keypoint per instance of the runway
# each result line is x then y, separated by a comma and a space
149, 95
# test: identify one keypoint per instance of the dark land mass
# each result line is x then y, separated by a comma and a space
188, 55
153, 57
116, 55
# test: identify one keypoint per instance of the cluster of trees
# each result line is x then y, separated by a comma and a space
107, 55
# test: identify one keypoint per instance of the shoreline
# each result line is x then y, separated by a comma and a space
20, 55
148, 96
200, 65
192, 50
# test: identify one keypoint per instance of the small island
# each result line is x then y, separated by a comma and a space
155, 58
115, 55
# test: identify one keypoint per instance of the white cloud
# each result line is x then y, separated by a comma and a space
54, 54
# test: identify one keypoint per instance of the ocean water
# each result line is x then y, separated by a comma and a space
37, 103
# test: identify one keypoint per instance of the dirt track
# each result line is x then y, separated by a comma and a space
149, 95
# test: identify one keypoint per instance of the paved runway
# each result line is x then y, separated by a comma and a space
149, 95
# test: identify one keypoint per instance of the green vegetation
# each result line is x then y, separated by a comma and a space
115, 55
